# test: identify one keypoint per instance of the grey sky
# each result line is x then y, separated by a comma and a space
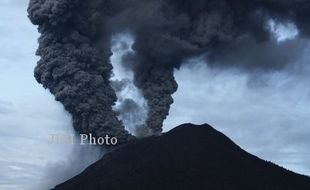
269, 120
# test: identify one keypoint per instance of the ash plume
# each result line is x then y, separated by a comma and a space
75, 48
74, 64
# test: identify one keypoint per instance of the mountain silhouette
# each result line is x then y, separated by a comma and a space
189, 157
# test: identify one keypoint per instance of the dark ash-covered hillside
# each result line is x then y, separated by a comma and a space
189, 157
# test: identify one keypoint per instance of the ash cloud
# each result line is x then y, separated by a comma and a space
75, 64
75, 48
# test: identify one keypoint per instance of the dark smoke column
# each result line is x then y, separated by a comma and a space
158, 87
74, 64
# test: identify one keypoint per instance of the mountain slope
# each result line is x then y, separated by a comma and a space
188, 157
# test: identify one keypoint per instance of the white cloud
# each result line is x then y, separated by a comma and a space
283, 31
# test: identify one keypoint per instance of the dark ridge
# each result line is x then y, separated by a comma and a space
188, 157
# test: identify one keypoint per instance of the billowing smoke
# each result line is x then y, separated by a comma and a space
131, 106
75, 48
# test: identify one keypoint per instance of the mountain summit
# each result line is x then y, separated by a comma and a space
189, 157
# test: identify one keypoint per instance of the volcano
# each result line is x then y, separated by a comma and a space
188, 157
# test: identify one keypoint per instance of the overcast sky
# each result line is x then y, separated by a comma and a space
267, 115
